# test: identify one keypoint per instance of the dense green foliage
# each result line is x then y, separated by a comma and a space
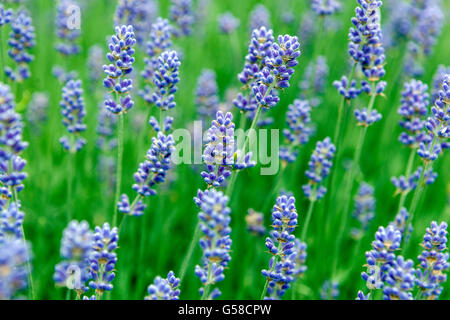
156, 243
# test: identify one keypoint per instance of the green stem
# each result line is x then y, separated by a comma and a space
244, 147
408, 172
70, 186
415, 201
266, 285
2, 55
308, 219
208, 284
349, 184
189, 253
119, 166
337, 130
277, 185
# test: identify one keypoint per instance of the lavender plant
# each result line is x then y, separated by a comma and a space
121, 58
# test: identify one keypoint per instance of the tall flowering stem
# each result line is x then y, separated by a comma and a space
366, 49
121, 59
73, 112
438, 132
413, 109
276, 69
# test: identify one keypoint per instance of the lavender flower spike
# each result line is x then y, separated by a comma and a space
103, 259
5, 15
281, 244
319, 168
216, 244
220, 152
165, 79
433, 261
400, 280
164, 289
121, 58
438, 125
381, 257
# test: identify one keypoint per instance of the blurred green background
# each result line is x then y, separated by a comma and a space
156, 243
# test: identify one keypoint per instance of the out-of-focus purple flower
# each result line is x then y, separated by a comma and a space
14, 254
11, 143
437, 81
207, 99
299, 129
329, 290
325, 7
76, 246
228, 22
160, 40
255, 222
66, 33
95, 62
315, 78
21, 40
318, 169
182, 16
259, 17
401, 223
73, 111
413, 108
364, 210
37, 110
138, 13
